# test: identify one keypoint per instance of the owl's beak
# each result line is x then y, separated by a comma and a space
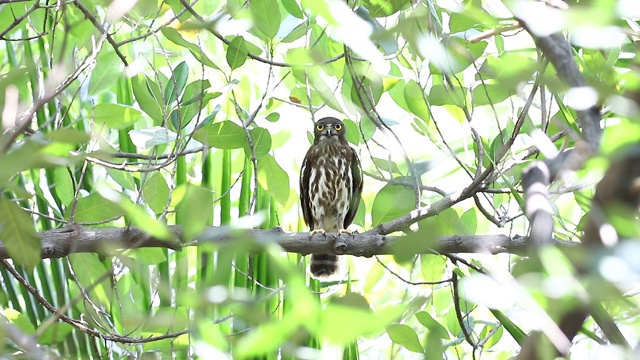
329, 131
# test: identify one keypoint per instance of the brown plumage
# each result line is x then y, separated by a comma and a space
330, 187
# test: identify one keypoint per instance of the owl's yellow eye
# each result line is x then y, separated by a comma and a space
338, 127
320, 127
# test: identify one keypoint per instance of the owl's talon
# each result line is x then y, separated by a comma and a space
318, 231
345, 231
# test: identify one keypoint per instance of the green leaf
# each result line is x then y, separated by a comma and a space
441, 95
63, 185
168, 319
433, 267
135, 213
460, 22
222, 135
68, 136
176, 83
453, 324
469, 222
413, 96
195, 209
156, 193
267, 337
148, 256
95, 208
518, 335
352, 133
293, 8
123, 178
19, 320
381, 8
391, 202
174, 36
18, 234
273, 117
296, 33
404, 335
362, 322
460, 55
434, 326
273, 179
88, 269
497, 335
618, 136
266, 16
368, 128
237, 52
386, 165
116, 116
145, 90
106, 73
261, 139
489, 94
195, 93
55, 333
194, 99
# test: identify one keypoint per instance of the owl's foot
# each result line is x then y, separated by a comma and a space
318, 231
345, 231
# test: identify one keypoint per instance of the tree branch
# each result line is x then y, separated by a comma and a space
77, 239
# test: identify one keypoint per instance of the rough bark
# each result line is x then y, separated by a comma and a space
77, 239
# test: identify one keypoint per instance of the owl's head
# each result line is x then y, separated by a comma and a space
328, 127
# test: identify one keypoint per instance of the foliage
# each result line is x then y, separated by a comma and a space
157, 113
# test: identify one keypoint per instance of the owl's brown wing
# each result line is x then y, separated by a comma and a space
356, 186
305, 200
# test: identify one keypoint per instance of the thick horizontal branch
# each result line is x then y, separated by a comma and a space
77, 239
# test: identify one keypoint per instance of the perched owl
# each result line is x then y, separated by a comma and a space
330, 187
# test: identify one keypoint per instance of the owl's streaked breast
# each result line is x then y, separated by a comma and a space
330, 185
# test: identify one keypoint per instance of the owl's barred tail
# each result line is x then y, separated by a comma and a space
323, 265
